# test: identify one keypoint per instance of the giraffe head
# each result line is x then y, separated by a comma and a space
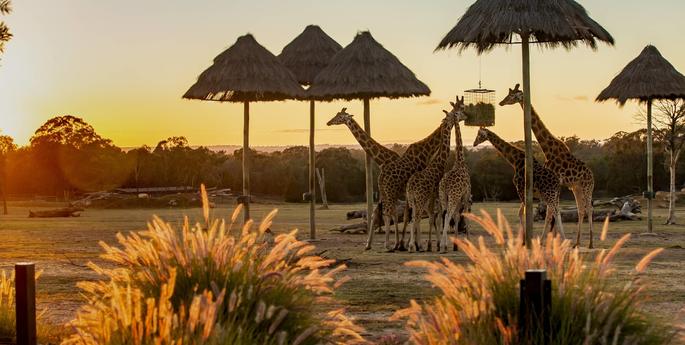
515, 96
481, 137
457, 113
340, 118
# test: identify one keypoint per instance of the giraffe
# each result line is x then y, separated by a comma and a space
422, 187
454, 190
573, 173
545, 182
393, 178
379, 153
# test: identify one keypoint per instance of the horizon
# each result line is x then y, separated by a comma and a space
67, 59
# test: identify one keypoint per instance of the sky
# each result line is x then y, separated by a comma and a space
124, 65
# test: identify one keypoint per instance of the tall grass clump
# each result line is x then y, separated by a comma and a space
210, 284
7, 313
479, 302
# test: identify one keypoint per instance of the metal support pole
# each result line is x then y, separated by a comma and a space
527, 125
368, 167
246, 161
25, 287
650, 168
312, 174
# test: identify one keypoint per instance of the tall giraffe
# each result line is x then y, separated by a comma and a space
545, 181
573, 173
379, 153
454, 190
422, 187
393, 178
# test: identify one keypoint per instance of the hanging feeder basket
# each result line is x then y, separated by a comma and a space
480, 107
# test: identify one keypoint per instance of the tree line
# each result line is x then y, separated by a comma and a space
66, 156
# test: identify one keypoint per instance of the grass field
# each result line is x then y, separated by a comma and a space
380, 283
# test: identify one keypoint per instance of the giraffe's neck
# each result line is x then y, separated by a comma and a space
379, 153
551, 146
440, 159
511, 153
459, 149
419, 153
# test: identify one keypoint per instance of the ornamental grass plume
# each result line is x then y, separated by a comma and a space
248, 291
479, 302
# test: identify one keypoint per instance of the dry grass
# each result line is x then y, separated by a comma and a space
478, 302
380, 284
212, 284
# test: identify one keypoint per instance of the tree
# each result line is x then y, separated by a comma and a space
6, 147
72, 156
669, 130
5, 35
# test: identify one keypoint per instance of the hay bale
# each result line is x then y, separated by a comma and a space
480, 114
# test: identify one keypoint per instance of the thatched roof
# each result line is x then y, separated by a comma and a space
550, 22
245, 72
648, 76
309, 53
364, 69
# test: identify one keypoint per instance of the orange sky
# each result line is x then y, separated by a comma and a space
123, 66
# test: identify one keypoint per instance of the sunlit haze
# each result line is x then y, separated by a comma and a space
123, 66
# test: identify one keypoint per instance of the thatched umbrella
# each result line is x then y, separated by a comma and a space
306, 56
365, 70
246, 72
648, 77
488, 23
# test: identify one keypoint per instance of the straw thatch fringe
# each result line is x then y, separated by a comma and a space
551, 23
246, 72
309, 53
648, 76
364, 69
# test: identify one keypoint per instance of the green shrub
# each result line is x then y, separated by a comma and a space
479, 303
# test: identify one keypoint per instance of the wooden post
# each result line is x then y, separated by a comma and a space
535, 307
527, 124
650, 168
25, 287
312, 174
246, 161
321, 176
368, 167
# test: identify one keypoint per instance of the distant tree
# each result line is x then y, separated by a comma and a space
7, 146
73, 157
5, 35
344, 174
669, 125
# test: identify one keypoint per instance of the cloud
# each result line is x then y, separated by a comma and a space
429, 101
579, 98
306, 130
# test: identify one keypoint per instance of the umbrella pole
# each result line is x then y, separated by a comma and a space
312, 182
650, 167
246, 161
527, 124
369, 176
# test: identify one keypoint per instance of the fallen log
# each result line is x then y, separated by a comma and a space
56, 213
624, 208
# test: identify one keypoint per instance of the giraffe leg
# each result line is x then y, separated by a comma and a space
580, 204
416, 226
387, 220
377, 214
452, 212
405, 222
432, 221
521, 211
589, 211
442, 246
